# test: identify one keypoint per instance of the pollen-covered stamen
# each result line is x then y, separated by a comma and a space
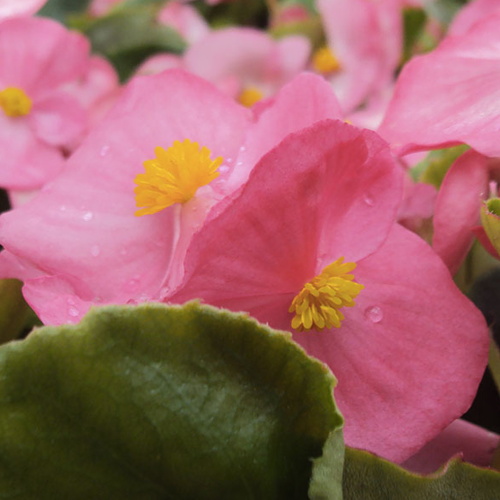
325, 62
319, 302
174, 176
15, 102
249, 96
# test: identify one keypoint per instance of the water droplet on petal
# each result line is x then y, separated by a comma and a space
132, 285
243, 149
229, 160
62, 208
72, 311
87, 216
374, 313
104, 150
95, 251
368, 199
223, 169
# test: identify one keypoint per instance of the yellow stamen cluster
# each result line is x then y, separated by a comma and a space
325, 62
15, 102
174, 176
319, 302
249, 96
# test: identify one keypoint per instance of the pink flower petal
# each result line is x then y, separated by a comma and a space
457, 208
27, 162
459, 104
58, 119
83, 224
11, 8
38, 54
471, 13
474, 443
55, 300
185, 19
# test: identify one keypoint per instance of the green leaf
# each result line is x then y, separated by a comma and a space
326, 481
127, 37
367, 477
155, 402
63, 9
413, 26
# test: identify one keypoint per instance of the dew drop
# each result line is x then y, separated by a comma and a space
229, 160
104, 150
95, 251
368, 199
72, 311
62, 208
223, 169
132, 285
243, 149
87, 216
374, 314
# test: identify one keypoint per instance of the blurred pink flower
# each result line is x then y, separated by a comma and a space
12, 8
411, 350
185, 19
38, 58
247, 63
365, 39
471, 13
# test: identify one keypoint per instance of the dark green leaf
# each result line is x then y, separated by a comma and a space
156, 403
62, 9
127, 37
414, 22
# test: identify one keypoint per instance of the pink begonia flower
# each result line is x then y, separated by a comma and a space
365, 39
450, 95
37, 118
458, 207
410, 354
247, 63
12, 8
158, 63
97, 85
471, 13
105, 254
101, 7
474, 444
185, 19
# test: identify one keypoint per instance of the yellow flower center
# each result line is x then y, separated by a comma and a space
15, 102
174, 176
249, 96
324, 61
319, 302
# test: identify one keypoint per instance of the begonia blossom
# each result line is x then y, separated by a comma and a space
106, 254
247, 63
38, 57
408, 349
450, 95
364, 45
185, 19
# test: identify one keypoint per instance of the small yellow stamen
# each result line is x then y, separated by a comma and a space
319, 302
249, 96
15, 102
325, 62
174, 176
